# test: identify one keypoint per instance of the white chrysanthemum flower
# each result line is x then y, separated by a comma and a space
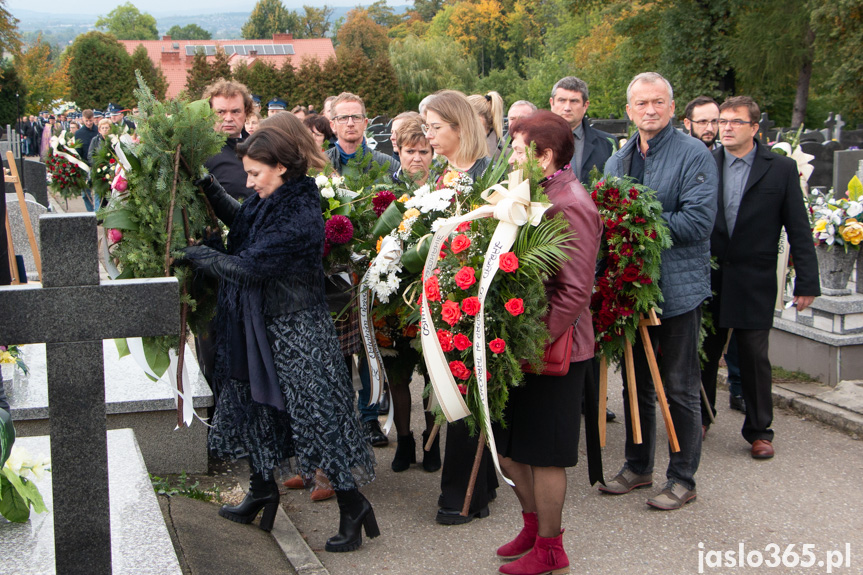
854, 209
328, 192
321, 180
338, 181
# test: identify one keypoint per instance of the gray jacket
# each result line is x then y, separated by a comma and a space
377, 157
682, 171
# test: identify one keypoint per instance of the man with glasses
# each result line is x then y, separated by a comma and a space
701, 120
684, 176
759, 193
349, 123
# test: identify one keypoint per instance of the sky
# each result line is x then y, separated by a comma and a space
165, 7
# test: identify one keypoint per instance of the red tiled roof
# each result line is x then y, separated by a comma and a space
170, 55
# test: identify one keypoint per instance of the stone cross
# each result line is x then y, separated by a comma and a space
837, 128
764, 125
72, 313
828, 126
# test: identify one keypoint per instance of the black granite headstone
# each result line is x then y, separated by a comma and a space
822, 174
72, 313
34, 180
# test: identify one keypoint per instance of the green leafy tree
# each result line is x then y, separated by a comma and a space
188, 32
383, 15
45, 78
10, 39
427, 9
126, 22
204, 72
315, 22
318, 81
99, 71
264, 80
424, 66
360, 34
270, 17
838, 26
152, 75
13, 94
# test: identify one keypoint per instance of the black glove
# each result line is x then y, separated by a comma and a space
209, 185
224, 205
214, 264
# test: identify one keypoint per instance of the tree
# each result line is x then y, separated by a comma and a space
264, 80
270, 17
424, 66
99, 71
315, 22
13, 94
153, 76
203, 73
427, 9
45, 80
126, 22
360, 34
188, 32
383, 15
479, 28
838, 26
10, 39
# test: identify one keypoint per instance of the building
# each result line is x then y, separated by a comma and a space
175, 57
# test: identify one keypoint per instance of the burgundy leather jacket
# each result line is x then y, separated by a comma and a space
569, 290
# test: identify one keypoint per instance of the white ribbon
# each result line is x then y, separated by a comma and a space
118, 151
75, 159
391, 251
136, 350
512, 207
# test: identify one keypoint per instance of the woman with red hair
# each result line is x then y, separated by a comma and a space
540, 439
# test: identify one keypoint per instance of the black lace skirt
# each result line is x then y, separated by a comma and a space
320, 427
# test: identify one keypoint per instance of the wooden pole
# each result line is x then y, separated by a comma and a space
25, 213
184, 310
603, 397
473, 473
657, 380
632, 390
432, 434
171, 212
13, 263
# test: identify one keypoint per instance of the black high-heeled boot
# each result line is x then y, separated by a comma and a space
262, 494
431, 458
355, 513
406, 453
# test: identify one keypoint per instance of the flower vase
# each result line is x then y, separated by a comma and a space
7, 371
835, 266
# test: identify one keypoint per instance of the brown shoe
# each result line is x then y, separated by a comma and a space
762, 449
626, 481
295, 482
322, 494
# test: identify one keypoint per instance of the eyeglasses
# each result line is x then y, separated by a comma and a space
703, 123
733, 123
429, 129
357, 118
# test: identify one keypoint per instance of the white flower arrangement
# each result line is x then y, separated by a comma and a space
427, 200
383, 278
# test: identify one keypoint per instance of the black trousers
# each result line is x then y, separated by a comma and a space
756, 377
458, 459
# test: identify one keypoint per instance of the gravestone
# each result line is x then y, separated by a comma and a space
765, 129
614, 127
72, 313
852, 138
20, 239
811, 136
838, 124
34, 181
829, 123
822, 162
845, 164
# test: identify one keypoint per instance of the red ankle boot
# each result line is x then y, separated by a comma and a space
523, 542
546, 558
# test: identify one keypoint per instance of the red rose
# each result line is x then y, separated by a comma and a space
470, 305
630, 273
459, 369
606, 318
460, 243
461, 342
497, 345
445, 339
646, 280
515, 306
508, 262
465, 277
450, 312
462, 388
432, 289
463, 227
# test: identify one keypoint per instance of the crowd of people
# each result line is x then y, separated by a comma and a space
281, 369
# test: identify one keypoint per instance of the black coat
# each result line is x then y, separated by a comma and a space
745, 282
228, 169
85, 135
597, 150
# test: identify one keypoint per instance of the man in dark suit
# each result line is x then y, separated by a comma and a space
759, 193
592, 147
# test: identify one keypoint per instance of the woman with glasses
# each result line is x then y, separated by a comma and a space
455, 133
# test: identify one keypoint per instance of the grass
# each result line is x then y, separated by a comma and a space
181, 486
785, 375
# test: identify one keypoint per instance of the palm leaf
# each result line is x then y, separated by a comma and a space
542, 247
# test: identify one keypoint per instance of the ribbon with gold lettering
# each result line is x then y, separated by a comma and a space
512, 207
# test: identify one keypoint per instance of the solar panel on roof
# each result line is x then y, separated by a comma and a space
269, 49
